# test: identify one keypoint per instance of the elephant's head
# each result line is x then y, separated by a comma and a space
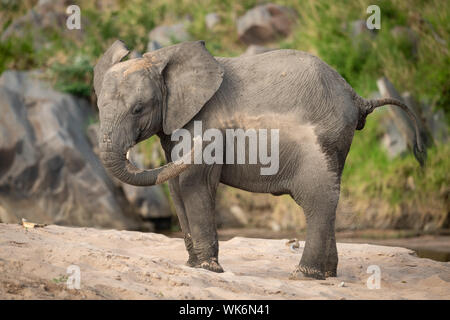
160, 92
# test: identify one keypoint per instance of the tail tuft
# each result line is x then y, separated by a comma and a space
421, 155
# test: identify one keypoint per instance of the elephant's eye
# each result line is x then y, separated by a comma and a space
137, 109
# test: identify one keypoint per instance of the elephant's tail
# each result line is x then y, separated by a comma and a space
420, 151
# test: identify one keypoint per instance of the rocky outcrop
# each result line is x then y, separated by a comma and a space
211, 20
359, 28
48, 170
255, 49
45, 16
170, 34
153, 45
402, 121
265, 23
407, 34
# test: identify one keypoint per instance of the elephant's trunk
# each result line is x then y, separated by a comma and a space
118, 164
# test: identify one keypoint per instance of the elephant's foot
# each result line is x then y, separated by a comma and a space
307, 273
211, 264
331, 267
192, 262
331, 274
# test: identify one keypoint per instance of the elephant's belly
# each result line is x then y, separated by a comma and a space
282, 172
249, 178
275, 176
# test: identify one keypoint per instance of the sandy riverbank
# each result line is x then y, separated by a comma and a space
134, 265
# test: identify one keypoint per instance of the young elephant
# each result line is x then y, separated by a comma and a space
314, 108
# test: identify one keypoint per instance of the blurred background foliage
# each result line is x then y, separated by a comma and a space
323, 28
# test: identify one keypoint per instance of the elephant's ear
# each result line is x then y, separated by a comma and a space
113, 55
191, 75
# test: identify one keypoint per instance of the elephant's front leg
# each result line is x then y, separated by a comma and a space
174, 187
198, 187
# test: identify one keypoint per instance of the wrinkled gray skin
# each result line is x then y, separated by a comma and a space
315, 109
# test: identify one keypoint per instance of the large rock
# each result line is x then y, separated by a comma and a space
265, 23
211, 20
433, 120
45, 16
153, 45
150, 203
401, 119
408, 35
393, 141
437, 124
168, 35
255, 49
48, 171
420, 110
359, 28
360, 36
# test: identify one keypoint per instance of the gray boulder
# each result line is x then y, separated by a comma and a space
168, 35
153, 45
393, 141
360, 36
211, 20
150, 203
265, 23
359, 28
436, 123
135, 54
255, 49
42, 17
407, 34
401, 120
48, 171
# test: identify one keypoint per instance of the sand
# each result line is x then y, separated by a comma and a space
134, 265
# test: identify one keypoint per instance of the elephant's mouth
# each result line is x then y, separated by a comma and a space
127, 154
139, 139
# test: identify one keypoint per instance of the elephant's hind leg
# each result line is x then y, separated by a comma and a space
319, 259
318, 195
332, 256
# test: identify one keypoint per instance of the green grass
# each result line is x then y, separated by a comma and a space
369, 173
74, 78
60, 279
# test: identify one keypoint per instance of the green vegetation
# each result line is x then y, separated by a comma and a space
371, 178
60, 279
323, 29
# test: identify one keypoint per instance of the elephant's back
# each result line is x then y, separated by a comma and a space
275, 62
287, 81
